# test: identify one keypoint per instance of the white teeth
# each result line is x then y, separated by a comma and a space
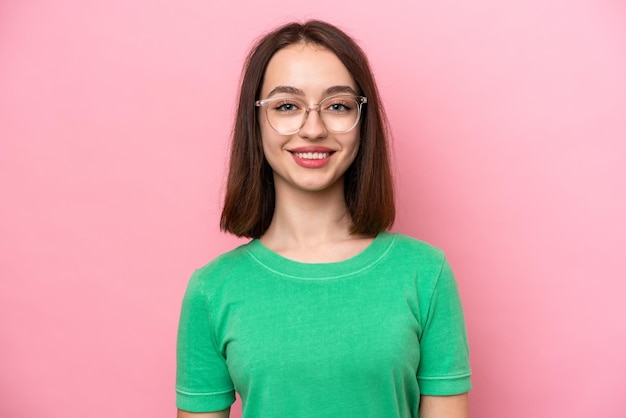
312, 155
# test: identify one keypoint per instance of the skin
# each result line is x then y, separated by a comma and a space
314, 72
456, 406
311, 223
220, 414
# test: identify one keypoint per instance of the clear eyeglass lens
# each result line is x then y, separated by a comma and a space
338, 113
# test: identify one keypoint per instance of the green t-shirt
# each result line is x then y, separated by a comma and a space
358, 338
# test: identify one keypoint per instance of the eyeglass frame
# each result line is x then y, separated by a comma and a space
360, 100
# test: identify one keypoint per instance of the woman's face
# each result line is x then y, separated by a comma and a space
314, 158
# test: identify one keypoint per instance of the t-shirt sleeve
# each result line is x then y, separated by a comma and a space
203, 383
444, 360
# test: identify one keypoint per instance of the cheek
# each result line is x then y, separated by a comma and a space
269, 137
267, 149
272, 147
355, 145
264, 126
266, 135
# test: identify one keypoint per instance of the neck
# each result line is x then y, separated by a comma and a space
306, 216
313, 226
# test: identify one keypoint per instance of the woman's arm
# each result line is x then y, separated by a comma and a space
456, 406
219, 414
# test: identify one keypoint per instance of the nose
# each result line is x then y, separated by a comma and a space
313, 127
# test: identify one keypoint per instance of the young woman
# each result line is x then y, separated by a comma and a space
323, 313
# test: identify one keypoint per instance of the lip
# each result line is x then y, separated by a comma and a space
311, 148
311, 163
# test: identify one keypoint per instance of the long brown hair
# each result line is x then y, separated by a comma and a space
368, 189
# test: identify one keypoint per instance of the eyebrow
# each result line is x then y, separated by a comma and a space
340, 89
286, 89
296, 91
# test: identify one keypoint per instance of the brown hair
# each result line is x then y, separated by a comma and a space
368, 189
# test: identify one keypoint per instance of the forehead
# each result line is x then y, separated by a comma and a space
307, 67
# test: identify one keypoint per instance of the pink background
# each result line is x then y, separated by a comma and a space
509, 121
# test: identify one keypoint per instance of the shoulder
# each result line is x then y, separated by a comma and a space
415, 249
225, 260
225, 266
425, 262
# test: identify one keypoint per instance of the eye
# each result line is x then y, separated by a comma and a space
339, 106
286, 106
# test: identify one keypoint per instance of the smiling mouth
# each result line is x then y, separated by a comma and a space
312, 155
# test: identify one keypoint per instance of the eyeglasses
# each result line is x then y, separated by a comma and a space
287, 115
